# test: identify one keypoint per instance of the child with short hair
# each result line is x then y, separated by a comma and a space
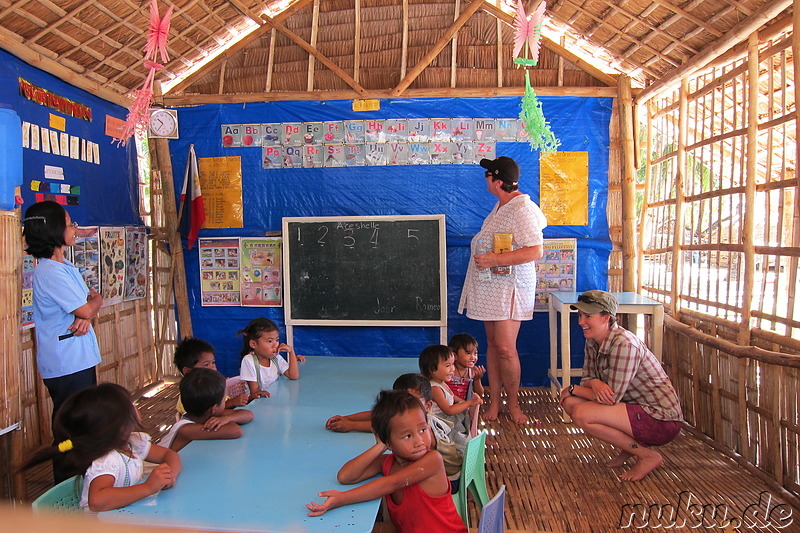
436, 362
203, 394
99, 436
261, 362
194, 353
414, 481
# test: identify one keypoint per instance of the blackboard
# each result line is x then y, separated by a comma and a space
377, 270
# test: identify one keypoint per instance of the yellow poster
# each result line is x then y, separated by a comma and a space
564, 188
221, 186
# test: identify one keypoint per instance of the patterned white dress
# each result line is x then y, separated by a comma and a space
491, 300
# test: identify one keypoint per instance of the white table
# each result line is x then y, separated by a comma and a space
262, 481
559, 302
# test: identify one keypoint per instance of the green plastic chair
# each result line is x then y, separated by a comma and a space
66, 496
473, 476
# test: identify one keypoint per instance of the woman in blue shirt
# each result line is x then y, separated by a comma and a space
66, 346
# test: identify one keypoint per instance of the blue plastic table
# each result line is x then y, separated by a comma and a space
262, 481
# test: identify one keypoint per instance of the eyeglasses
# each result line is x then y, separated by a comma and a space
73, 225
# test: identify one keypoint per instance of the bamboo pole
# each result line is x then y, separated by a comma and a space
793, 262
313, 43
748, 223
437, 48
648, 175
404, 54
454, 47
629, 265
270, 60
680, 171
182, 100
736, 34
499, 51
357, 41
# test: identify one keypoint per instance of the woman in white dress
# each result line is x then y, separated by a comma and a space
503, 298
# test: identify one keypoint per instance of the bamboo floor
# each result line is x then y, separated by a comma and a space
556, 479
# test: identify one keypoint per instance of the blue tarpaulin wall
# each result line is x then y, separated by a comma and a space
108, 191
458, 191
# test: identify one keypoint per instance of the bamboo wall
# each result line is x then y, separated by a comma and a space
10, 252
719, 247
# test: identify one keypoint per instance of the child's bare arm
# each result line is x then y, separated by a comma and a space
355, 422
363, 466
104, 496
459, 407
477, 374
161, 455
293, 371
237, 401
255, 392
428, 469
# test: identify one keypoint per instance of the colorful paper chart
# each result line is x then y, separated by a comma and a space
555, 271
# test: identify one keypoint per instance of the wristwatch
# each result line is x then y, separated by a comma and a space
571, 390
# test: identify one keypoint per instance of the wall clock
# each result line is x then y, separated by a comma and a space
163, 124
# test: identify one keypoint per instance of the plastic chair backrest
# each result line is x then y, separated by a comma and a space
493, 513
235, 386
473, 476
66, 496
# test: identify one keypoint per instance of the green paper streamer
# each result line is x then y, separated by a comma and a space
540, 136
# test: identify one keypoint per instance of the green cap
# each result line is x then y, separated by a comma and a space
592, 302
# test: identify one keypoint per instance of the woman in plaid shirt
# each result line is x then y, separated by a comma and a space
625, 398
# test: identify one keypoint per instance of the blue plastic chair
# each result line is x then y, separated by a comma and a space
493, 513
473, 476
66, 496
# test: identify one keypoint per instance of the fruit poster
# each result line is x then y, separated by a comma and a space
112, 264
219, 271
135, 263
261, 272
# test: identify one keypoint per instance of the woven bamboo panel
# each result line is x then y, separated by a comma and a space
10, 266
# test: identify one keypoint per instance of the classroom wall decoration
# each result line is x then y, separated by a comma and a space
28, 264
380, 142
112, 264
221, 183
556, 270
261, 272
86, 255
135, 263
564, 187
219, 271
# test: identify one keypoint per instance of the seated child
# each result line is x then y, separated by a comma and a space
261, 363
203, 394
99, 433
417, 385
466, 373
436, 362
413, 479
196, 353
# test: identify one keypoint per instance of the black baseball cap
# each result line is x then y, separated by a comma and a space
503, 168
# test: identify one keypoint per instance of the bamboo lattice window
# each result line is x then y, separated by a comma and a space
719, 150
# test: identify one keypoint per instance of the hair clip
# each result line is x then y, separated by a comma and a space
65, 446
28, 219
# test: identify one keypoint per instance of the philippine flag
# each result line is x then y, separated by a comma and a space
196, 212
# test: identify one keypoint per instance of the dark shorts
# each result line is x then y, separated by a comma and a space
651, 431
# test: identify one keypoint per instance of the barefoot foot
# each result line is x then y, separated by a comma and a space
619, 460
490, 414
517, 416
643, 466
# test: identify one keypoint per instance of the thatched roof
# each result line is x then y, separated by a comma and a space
240, 50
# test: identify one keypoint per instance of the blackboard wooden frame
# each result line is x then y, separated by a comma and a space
291, 321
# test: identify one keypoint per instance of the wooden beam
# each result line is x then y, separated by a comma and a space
317, 54
236, 47
736, 34
404, 54
9, 43
179, 100
409, 78
454, 47
680, 175
313, 44
357, 41
556, 48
